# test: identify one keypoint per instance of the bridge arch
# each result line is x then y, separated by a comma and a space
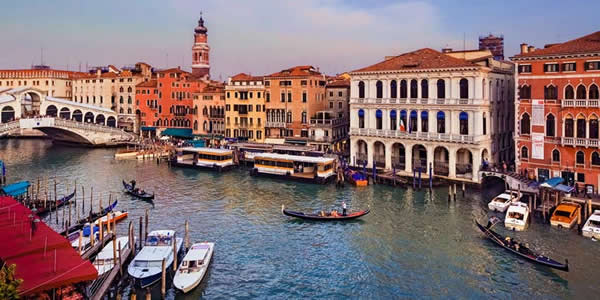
30, 103
88, 117
100, 119
8, 114
51, 111
65, 113
111, 122
77, 115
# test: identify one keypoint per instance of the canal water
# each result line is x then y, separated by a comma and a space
414, 244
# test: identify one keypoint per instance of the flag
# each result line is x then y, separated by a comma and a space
402, 128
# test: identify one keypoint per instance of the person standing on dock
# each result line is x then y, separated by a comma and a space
343, 208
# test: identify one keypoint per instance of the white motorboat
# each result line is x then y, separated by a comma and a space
503, 201
104, 261
193, 267
85, 239
591, 229
517, 216
146, 267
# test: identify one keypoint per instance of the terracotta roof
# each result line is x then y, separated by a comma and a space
48, 72
173, 70
297, 71
149, 83
341, 83
425, 58
246, 77
584, 44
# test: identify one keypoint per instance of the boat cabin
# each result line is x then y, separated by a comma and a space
565, 215
212, 158
195, 259
160, 238
517, 216
318, 169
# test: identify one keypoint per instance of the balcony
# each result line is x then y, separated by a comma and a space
579, 103
581, 142
424, 136
274, 124
421, 101
328, 122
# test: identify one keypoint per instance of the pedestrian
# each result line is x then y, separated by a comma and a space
576, 189
504, 166
343, 208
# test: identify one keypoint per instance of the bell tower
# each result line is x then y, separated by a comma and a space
200, 51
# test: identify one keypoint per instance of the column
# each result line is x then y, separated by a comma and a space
370, 153
419, 88
451, 162
478, 123
388, 155
430, 157
408, 157
418, 121
353, 150
385, 119
433, 121
476, 164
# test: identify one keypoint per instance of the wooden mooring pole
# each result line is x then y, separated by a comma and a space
187, 238
163, 282
141, 241
146, 226
449, 193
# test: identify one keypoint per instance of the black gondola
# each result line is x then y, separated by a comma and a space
50, 205
89, 219
521, 250
130, 189
325, 217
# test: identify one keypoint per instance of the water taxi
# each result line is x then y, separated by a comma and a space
104, 261
146, 267
591, 229
565, 215
503, 201
210, 158
305, 168
517, 216
193, 267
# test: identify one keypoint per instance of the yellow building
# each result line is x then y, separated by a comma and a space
56, 83
245, 115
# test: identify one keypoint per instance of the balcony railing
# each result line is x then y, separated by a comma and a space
431, 136
579, 103
583, 142
272, 124
327, 122
420, 101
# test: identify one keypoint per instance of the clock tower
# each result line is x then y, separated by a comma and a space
200, 51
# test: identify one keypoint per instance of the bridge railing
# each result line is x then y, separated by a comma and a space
92, 127
9, 126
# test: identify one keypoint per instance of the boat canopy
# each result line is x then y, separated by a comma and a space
296, 158
564, 188
552, 182
178, 132
15, 189
214, 151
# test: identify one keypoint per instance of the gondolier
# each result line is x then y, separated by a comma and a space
343, 208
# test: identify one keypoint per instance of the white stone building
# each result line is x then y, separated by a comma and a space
434, 110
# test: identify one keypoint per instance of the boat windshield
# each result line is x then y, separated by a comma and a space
595, 223
516, 215
501, 200
158, 241
562, 213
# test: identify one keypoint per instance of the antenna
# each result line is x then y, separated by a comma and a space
167, 61
42, 56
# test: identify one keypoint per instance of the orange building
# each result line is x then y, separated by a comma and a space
292, 96
558, 111
209, 110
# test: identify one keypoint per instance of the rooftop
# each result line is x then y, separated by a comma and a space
425, 58
297, 71
584, 44
149, 83
246, 77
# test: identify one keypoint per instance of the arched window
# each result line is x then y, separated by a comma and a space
121, 99
413, 121
403, 89
581, 126
413, 89
525, 124
424, 121
393, 119
361, 89
361, 118
159, 122
550, 93
441, 122
128, 99
121, 90
463, 118
595, 159
379, 119
464, 88
569, 127
581, 92
580, 158
303, 117
129, 89
594, 92
555, 155
484, 124
424, 89
593, 127
403, 120
550, 125
524, 153
525, 92
289, 117
129, 110
195, 125
441, 89
379, 86
393, 89
569, 92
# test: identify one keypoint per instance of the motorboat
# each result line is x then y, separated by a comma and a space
565, 215
104, 261
520, 249
117, 216
503, 201
193, 267
325, 216
517, 216
126, 154
591, 229
86, 237
355, 177
91, 218
146, 267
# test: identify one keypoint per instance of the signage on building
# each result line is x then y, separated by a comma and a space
537, 145
537, 111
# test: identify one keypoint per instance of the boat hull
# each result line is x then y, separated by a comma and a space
188, 282
312, 217
563, 224
317, 180
214, 167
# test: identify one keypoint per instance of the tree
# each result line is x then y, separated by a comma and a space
9, 285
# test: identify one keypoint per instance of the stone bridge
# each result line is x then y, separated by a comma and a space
513, 180
71, 131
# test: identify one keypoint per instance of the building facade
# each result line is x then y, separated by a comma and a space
558, 111
245, 114
329, 129
209, 110
292, 96
427, 109
493, 43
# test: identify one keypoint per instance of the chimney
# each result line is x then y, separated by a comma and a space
446, 50
531, 49
523, 48
98, 72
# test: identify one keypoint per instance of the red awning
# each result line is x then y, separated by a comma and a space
44, 259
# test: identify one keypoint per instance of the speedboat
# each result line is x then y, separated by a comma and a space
517, 216
117, 216
565, 215
193, 267
503, 201
591, 229
86, 241
146, 267
105, 259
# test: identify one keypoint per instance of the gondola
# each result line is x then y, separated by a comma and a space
90, 219
41, 210
132, 191
317, 217
521, 250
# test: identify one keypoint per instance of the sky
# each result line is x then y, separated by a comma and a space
265, 36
